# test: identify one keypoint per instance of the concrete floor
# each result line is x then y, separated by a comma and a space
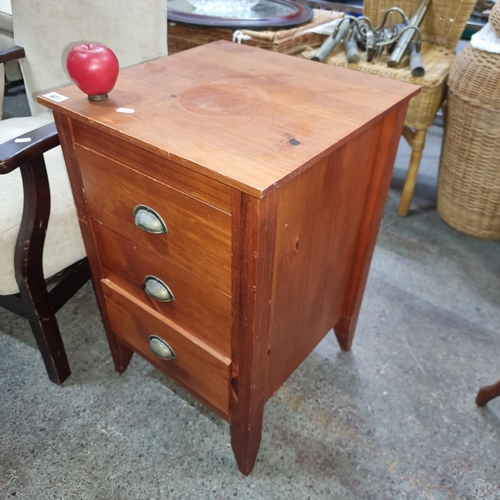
393, 419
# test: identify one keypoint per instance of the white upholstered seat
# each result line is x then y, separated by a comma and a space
63, 244
136, 31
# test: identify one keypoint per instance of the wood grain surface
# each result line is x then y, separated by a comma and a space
247, 117
166, 171
198, 307
382, 161
121, 353
197, 366
199, 235
278, 168
250, 340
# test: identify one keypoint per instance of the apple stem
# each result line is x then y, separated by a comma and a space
88, 46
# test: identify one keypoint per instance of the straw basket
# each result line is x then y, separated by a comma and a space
287, 41
469, 174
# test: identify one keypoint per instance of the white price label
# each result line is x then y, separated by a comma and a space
54, 96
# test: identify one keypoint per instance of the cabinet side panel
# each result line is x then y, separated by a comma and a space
320, 213
383, 164
120, 352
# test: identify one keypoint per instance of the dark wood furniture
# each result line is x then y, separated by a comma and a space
487, 393
38, 300
231, 217
267, 14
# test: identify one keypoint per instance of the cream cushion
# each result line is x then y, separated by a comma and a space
12, 70
63, 243
6, 18
137, 32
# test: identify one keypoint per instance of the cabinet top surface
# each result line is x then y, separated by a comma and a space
247, 117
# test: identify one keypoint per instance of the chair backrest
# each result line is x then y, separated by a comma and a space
136, 30
443, 24
6, 18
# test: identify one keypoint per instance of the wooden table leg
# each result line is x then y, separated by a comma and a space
121, 353
246, 432
372, 215
250, 350
487, 393
417, 142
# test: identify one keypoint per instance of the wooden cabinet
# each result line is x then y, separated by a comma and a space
230, 215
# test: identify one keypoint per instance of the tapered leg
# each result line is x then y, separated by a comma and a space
487, 393
344, 331
417, 143
120, 352
48, 337
246, 432
250, 349
372, 211
29, 270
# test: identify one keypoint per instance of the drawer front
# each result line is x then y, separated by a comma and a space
197, 237
181, 178
198, 306
196, 366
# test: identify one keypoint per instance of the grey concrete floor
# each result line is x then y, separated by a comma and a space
393, 419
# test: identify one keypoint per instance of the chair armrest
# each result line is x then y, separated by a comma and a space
13, 154
12, 53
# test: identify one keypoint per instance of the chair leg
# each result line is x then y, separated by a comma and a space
487, 393
28, 258
416, 140
46, 331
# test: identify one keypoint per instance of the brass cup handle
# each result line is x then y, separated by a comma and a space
157, 289
160, 348
149, 220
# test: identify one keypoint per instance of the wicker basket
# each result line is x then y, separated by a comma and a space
287, 41
424, 106
469, 174
494, 19
442, 27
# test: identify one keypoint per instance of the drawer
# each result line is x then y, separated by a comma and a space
197, 306
198, 237
196, 366
153, 165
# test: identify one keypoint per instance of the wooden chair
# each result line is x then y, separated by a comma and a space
487, 393
42, 259
34, 298
442, 28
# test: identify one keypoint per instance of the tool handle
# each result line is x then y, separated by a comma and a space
416, 61
351, 49
331, 42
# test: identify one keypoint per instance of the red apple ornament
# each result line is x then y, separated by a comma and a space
94, 68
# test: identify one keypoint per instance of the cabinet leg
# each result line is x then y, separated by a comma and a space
121, 353
372, 211
246, 434
344, 331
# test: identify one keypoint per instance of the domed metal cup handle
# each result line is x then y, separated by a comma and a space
161, 348
157, 289
149, 220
